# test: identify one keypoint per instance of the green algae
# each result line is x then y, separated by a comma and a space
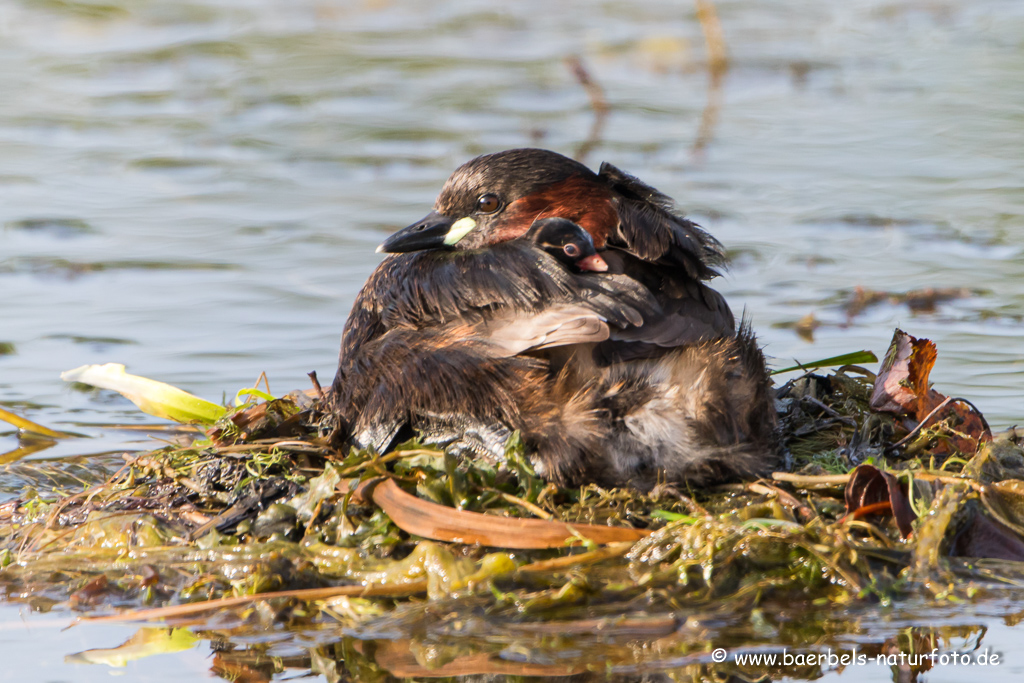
261, 505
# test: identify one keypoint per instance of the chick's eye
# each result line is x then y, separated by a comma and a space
488, 203
571, 250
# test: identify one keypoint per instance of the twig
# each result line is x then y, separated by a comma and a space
195, 517
854, 584
371, 590
981, 416
316, 385
783, 391
920, 425
788, 499
597, 102
826, 480
262, 378
829, 410
525, 504
950, 480
393, 455
812, 479
592, 557
594, 91
293, 445
88, 494
691, 505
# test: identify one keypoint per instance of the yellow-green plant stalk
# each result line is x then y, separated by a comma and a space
152, 397
30, 426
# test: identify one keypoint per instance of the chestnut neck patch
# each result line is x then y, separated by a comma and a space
578, 199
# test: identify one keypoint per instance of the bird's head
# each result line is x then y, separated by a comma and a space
498, 197
567, 242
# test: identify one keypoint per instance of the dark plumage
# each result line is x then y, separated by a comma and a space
617, 209
488, 326
636, 226
449, 319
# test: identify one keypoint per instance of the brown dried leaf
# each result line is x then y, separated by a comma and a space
922, 360
902, 387
874, 491
441, 523
985, 537
893, 392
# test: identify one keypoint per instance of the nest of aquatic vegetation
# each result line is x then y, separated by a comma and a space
260, 523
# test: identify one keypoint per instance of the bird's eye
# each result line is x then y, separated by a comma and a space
488, 203
571, 250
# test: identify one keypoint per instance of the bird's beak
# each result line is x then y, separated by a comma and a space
594, 263
433, 231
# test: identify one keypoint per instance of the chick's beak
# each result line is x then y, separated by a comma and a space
430, 232
594, 263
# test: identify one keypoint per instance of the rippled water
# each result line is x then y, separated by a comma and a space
195, 189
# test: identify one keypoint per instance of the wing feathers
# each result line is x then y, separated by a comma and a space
650, 228
555, 326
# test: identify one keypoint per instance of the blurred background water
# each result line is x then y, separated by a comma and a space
195, 187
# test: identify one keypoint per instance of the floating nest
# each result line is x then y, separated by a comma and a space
287, 554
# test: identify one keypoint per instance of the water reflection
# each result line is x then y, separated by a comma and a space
664, 649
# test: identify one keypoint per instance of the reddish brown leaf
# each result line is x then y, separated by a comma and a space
970, 430
874, 491
985, 537
902, 387
903, 377
90, 591
441, 523
922, 360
